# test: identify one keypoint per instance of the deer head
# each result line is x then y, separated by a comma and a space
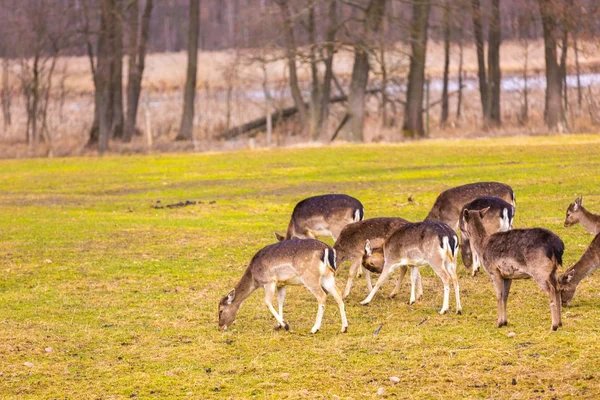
227, 310
574, 212
373, 258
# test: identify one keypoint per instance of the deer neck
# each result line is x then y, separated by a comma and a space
588, 263
244, 288
480, 237
589, 221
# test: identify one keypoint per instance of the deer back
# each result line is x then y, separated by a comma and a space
448, 205
351, 242
420, 241
498, 218
319, 214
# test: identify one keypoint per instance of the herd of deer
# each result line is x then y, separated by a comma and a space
482, 211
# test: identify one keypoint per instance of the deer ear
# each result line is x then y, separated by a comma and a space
579, 201
368, 247
484, 211
230, 297
279, 237
570, 276
465, 215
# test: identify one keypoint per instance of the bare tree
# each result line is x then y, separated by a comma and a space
494, 73
553, 112
186, 130
137, 61
479, 44
413, 110
446, 28
5, 92
355, 111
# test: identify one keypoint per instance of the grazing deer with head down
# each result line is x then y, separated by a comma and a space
498, 218
350, 244
418, 244
577, 214
448, 205
518, 254
324, 215
291, 262
588, 263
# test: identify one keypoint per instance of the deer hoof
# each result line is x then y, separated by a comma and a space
458, 312
554, 327
344, 329
392, 295
314, 330
286, 326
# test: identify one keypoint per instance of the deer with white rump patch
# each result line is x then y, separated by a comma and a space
498, 218
588, 263
576, 214
518, 254
305, 262
324, 215
350, 244
417, 244
449, 204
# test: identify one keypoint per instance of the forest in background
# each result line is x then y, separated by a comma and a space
81, 76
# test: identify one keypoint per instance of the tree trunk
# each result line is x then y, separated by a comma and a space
494, 73
186, 130
478, 37
446, 22
563, 66
315, 92
353, 129
103, 76
116, 76
6, 95
290, 42
328, 76
553, 110
460, 71
413, 110
577, 71
137, 62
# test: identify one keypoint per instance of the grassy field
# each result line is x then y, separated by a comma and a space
103, 296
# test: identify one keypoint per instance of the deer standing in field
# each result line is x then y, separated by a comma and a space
350, 244
305, 262
518, 254
324, 215
449, 204
577, 214
415, 245
498, 218
588, 263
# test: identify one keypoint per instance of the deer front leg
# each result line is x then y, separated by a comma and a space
351, 274
451, 267
414, 278
398, 282
269, 293
387, 268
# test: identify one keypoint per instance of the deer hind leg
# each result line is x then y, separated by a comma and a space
451, 268
437, 264
414, 279
269, 293
506, 283
328, 283
387, 268
499, 286
550, 285
351, 274
399, 281
314, 285
280, 298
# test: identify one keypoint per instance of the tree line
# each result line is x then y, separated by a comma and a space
311, 33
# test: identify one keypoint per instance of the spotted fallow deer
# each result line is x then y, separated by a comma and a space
418, 244
350, 244
305, 262
448, 205
588, 263
577, 214
499, 218
324, 215
518, 254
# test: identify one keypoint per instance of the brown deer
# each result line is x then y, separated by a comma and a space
518, 254
498, 219
588, 263
305, 262
577, 214
350, 244
324, 215
448, 205
415, 245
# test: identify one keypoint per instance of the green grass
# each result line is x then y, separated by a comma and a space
126, 295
